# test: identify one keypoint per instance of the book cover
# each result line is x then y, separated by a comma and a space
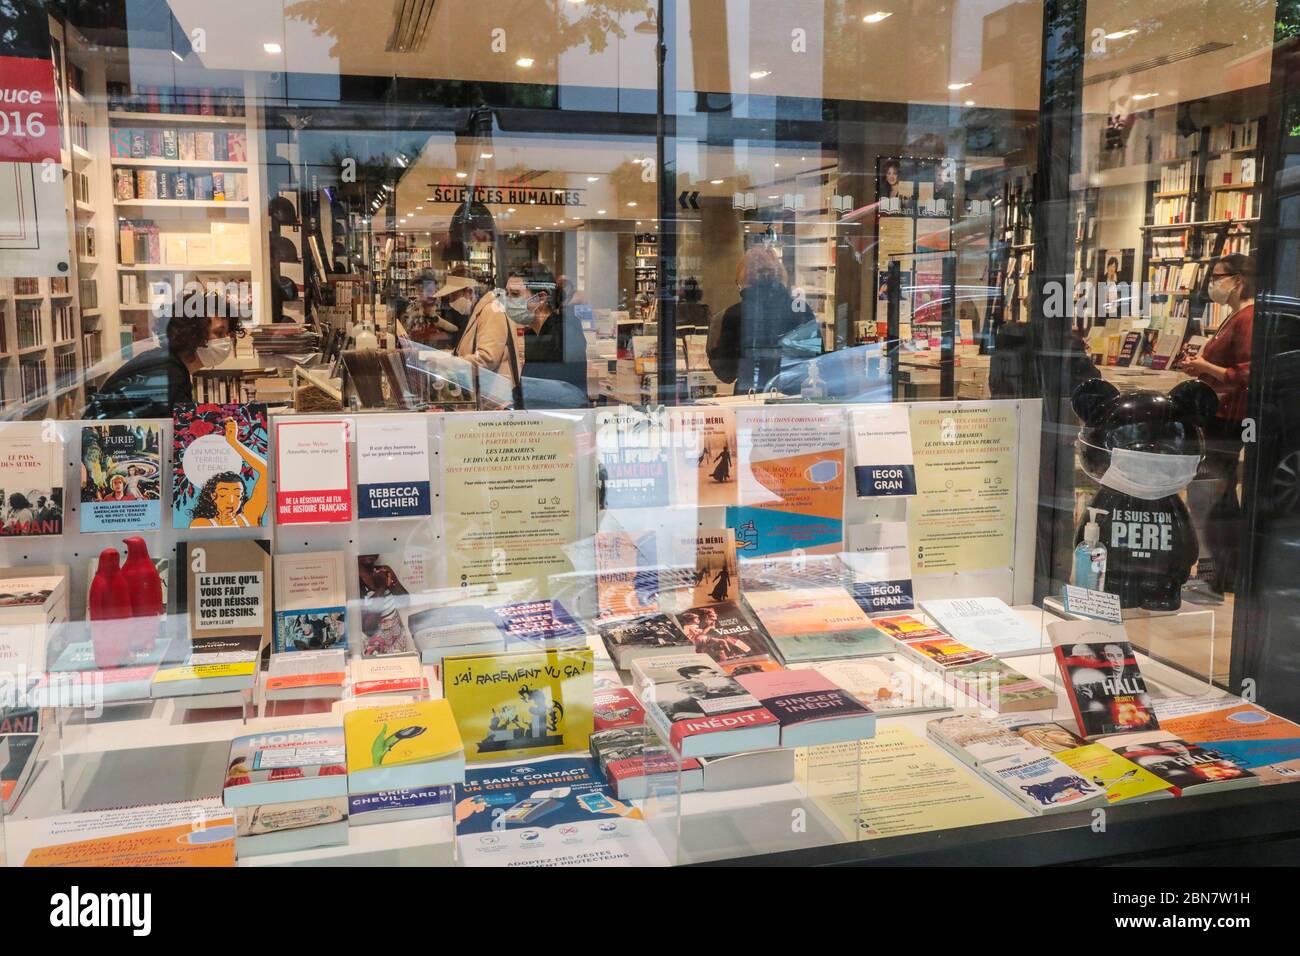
714, 576
224, 587
1101, 678
523, 703
723, 632
632, 447
1186, 767
308, 822
706, 461
31, 480
388, 674
310, 601
811, 709
306, 674
999, 686
887, 684
630, 756
1043, 784
392, 466
710, 715
905, 627
287, 758
943, 652
377, 807
188, 833
627, 578
121, 477
400, 735
670, 668
312, 484
391, 585
1262, 742
1120, 778
616, 707
219, 466
817, 624
657, 634
984, 623
537, 623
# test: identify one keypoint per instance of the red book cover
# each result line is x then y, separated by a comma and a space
1105, 688
617, 707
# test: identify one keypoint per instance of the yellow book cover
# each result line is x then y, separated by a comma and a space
401, 734
521, 704
205, 671
1122, 778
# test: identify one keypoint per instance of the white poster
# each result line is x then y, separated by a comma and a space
882, 451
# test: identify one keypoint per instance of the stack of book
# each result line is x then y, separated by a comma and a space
33, 609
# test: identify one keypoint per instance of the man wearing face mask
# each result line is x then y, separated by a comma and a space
1224, 365
200, 333
491, 336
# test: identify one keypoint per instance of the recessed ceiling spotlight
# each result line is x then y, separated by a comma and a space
461, 175
957, 86
759, 74
877, 16
715, 182
600, 212
970, 102
632, 203
510, 209
524, 61
272, 48
592, 179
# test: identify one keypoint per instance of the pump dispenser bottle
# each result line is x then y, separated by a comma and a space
1090, 555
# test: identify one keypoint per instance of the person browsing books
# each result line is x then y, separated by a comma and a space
1224, 364
490, 339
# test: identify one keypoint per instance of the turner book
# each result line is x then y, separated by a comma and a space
809, 624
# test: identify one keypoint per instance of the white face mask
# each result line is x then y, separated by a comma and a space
461, 305
215, 352
1219, 292
1147, 474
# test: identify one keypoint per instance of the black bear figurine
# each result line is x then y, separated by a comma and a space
1144, 448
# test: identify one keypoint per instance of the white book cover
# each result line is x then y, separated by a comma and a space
310, 601
1043, 784
312, 481
986, 624
393, 466
31, 480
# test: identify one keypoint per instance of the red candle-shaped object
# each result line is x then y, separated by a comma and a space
145, 590
110, 611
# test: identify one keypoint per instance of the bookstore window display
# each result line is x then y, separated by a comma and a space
519, 528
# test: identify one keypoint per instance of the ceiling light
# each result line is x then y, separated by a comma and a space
524, 61
774, 196
958, 86
600, 212
715, 182
759, 74
484, 155
592, 179
633, 203
1120, 34
511, 209
272, 48
970, 102
1144, 96
877, 16
418, 208
461, 175
776, 165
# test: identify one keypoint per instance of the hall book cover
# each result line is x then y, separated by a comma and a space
224, 588
1100, 674
219, 466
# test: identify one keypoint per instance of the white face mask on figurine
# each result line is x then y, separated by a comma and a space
1148, 474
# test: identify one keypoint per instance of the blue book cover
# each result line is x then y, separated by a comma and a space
121, 478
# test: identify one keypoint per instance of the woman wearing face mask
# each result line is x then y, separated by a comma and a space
490, 338
554, 344
201, 333
1224, 365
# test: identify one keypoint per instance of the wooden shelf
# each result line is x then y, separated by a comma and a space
181, 204
1220, 187
84, 208
182, 267
179, 163
1174, 194
182, 118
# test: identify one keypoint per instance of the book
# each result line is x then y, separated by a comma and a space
976, 739
630, 757
632, 447
810, 708
31, 480
312, 481
817, 624
285, 766
943, 652
616, 707
708, 716
224, 677
670, 668
1262, 742
306, 675
290, 827
224, 588
455, 629
390, 806
999, 686
715, 577
1123, 780
1102, 681
657, 635
905, 627
390, 674
391, 584
723, 632
186, 833
537, 623
403, 746
310, 601
1188, 768
887, 684
121, 477
984, 623
627, 577
33, 612
521, 703
1043, 784
756, 768
219, 466
392, 466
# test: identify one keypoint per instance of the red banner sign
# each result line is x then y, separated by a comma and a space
29, 113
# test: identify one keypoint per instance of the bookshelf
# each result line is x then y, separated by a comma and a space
646, 274
816, 212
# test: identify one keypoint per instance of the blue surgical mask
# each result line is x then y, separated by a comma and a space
823, 472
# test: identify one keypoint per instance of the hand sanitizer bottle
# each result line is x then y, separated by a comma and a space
1090, 555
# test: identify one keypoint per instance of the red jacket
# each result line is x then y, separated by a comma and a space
1230, 348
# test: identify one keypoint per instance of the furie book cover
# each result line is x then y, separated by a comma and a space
219, 466
121, 477
312, 482
31, 480
393, 466
310, 601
